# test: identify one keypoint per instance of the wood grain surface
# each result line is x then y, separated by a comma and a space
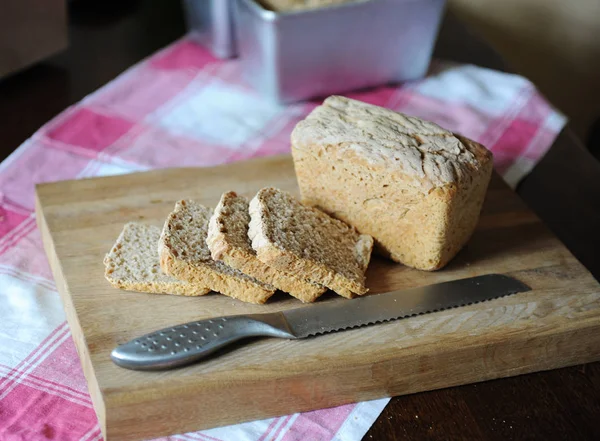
554, 325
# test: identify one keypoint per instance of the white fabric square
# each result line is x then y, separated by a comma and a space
555, 121
97, 168
29, 313
488, 90
360, 420
219, 114
249, 431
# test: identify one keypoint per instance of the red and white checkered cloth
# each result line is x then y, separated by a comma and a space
182, 107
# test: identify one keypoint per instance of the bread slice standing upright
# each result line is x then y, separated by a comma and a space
308, 243
228, 241
132, 264
184, 255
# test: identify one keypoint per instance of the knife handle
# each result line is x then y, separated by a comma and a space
184, 344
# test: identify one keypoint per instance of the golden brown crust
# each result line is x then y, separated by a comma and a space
288, 261
187, 290
227, 285
251, 265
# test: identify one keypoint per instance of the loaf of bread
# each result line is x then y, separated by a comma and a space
415, 187
228, 241
184, 255
308, 243
132, 264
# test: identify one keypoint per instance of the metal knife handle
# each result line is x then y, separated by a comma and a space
187, 343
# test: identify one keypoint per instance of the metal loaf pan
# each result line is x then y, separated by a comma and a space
293, 56
210, 22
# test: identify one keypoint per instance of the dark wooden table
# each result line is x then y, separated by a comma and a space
563, 189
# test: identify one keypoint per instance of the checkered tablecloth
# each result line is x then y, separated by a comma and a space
182, 107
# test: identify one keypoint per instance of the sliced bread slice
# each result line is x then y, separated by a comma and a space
132, 264
184, 254
228, 241
308, 243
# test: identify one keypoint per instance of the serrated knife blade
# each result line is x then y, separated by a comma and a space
188, 343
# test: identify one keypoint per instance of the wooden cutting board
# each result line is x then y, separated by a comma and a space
556, 324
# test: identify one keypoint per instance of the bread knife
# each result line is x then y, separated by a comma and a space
188, 343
